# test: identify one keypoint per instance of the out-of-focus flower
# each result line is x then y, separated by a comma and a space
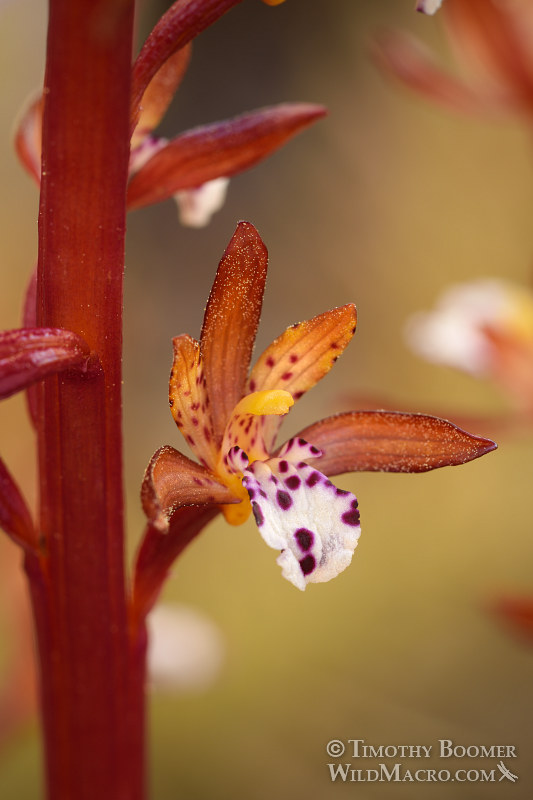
484, 328
231, 419
194, 167
517, 613
185, 649
197, 206
428, 6
492, 40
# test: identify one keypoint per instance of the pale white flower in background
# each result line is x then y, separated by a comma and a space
197, 206
457, 332
428, 6
186, 649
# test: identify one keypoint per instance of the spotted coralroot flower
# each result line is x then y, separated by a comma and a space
484, 328
493, 42
194, 168
231, 419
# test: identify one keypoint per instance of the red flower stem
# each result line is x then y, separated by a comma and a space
92, 677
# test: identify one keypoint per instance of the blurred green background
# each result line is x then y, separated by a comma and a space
384, 203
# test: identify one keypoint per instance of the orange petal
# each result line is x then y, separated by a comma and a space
219, 150
512, 365
246, 425
188, 399
230, 322
28, 138
406, 58
159, 93
171, 481
158, 551
391, 441
301, 356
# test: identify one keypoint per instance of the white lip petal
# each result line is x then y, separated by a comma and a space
300, 512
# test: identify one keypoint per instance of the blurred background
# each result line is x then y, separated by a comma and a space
384, 203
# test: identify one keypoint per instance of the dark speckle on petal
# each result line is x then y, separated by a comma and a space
305, 539
283, 466
307, 565
284, 499
292, 482
313, 479
351, 517
258, 514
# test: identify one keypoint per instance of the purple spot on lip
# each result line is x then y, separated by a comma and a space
251, 493
258, 514
284, 500
313, 479
352, 517
292, 482
342, 491
304, 538
307, 564
283, 466
314, 450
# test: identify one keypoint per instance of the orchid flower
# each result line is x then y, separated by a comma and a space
193, 168
231, 419
484, 328
493, 42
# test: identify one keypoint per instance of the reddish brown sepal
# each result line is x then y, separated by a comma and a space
221, 149
184, 20
172, 480
391, 441
28, 355
231, 320
159, 93
28, 138
15, 518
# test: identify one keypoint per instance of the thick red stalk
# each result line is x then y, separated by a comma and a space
91, 677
